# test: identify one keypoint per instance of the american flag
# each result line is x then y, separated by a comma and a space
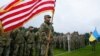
23, 11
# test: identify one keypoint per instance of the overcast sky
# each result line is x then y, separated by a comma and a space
72, 15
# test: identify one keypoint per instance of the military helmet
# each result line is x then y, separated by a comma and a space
47, 16
30, 26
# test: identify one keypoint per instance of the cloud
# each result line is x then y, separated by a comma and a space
4, 2
76, 15
72, 15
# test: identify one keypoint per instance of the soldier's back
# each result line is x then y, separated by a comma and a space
30, 37
20, 37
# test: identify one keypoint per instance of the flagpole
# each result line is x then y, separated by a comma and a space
1, 28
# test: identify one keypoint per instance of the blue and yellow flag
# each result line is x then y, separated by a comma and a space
94, 36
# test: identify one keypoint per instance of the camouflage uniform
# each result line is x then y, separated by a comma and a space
44, 30
19, 43
74, 40
37, 44
11, 43
82, 41
93, 44
7, 41
2, 44
30, 43
65, 44
55, 40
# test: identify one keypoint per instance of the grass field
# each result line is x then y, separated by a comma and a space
80, 52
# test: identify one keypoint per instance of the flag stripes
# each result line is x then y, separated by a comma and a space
23, 12
8, 7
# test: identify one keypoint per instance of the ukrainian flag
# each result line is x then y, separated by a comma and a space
94, 36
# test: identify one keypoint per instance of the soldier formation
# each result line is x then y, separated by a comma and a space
76, 41
28, 42
39, 41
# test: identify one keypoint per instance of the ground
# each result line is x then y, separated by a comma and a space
86, 51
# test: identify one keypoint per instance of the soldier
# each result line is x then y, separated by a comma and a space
19, 42
46, 30
93, 44
75, 40
13, 35
7, 44
60, 41
12, 43
55, 40
30, 42
65, 44
37, 44
82, 41
2, 43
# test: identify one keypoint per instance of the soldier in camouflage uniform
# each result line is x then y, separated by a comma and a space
30, 40
74, 41
19, 42
93, 45
55, 40
13, 35
2, 43
65, 42
7, 44
45, 29
37, 44
12, 43
82, 41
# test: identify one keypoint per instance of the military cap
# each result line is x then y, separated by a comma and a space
31, 27
47, 16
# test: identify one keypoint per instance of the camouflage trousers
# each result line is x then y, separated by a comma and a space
6, 51
1, 50
93, 46
12, 44
30, 50
43, 50
18, 50
37, 49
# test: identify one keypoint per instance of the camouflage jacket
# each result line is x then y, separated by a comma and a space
46, 30
30, 37
19, 38
2, 41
